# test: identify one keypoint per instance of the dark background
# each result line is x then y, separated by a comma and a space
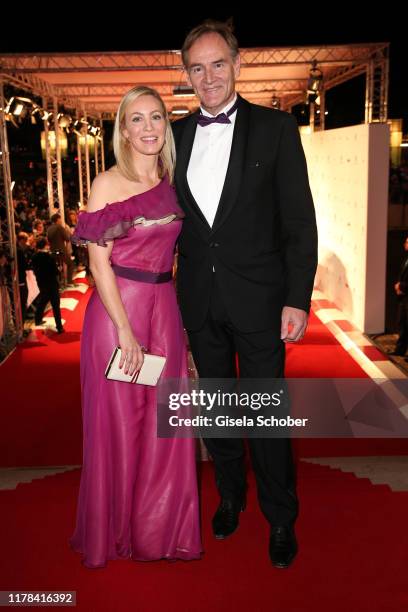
136, 27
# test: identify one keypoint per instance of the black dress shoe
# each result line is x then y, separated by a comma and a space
226, 519
282, 546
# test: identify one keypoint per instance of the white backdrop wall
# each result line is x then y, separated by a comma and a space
348, 172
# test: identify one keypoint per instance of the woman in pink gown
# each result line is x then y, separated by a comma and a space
138, 493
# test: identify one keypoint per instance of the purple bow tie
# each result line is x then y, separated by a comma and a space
203, 120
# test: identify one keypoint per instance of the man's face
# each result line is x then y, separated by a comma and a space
212, 71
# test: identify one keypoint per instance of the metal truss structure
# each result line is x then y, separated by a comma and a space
92, 84
10, 309
53, 162
99, 80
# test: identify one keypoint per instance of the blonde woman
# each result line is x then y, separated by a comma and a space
138, 494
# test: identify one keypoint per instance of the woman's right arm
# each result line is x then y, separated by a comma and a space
105, 281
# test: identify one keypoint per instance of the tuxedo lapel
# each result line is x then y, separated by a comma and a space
183, 158
233, 176
235, 168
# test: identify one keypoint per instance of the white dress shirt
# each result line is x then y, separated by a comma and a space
209, 162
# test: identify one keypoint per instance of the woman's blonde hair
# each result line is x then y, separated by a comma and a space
122, 151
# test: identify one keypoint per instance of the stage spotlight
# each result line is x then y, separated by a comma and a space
180, 110
80, 126
39, 114
64, 121
10, 117
183, 91
94, 130
314, 83
275, 102
18, 106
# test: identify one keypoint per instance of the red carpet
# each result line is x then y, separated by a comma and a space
40, 388
319, 355
353, 553
353, 544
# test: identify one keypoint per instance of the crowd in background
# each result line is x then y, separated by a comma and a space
43, 247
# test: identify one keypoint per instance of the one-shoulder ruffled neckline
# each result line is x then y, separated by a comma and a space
116, 218
132, 197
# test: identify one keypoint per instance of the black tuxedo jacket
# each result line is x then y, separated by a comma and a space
263, 242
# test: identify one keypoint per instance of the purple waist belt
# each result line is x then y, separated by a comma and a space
143, 276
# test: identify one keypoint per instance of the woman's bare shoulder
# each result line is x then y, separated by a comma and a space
106, 188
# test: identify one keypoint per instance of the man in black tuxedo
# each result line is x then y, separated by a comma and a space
46, 274
247, 260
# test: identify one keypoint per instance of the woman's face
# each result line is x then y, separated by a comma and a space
145, 125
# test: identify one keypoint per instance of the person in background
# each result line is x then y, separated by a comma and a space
24, 255
77, 250
46, 274
72, 218
401, 289
28, 222
38, 229
59, 238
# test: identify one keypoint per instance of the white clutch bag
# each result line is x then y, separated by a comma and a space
148, 374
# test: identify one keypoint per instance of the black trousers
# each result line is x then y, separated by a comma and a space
69, 268
49, 293
260, 355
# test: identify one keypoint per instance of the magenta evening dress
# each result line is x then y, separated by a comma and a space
138, 494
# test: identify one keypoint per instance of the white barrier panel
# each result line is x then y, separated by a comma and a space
348, 171
33, 290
